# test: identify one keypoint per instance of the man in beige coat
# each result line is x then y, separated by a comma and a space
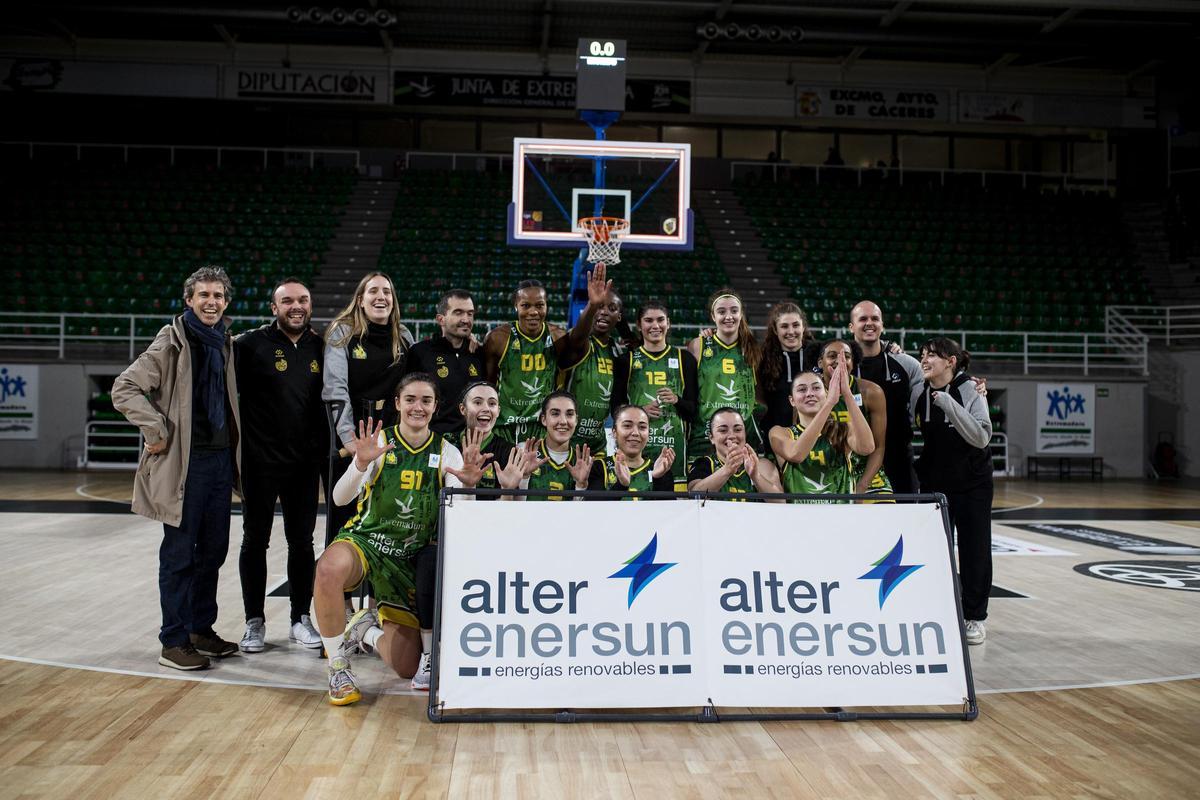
182, 394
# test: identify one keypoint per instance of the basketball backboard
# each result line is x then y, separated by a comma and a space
557, 182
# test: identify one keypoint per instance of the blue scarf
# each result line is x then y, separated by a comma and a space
208, 374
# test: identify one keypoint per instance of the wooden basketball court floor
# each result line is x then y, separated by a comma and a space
1089, 687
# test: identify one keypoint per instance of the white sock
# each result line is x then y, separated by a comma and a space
372, 636
333, 646
427, 640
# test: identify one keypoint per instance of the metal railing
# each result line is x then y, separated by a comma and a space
50, 335
173, 149
998, 446
1171, 325
774, 169
106, 431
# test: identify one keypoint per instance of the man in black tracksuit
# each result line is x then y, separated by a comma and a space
898, 375
450, 357
285, 438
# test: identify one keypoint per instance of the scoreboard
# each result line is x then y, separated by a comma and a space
600, 75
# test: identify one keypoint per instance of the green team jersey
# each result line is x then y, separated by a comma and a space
725, 380
551, 475
739, 482
527, 370
639, 479
648, 372
858, 463
825, 471
591, 381
499, 450
398, 509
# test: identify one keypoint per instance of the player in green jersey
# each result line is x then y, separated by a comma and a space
395, 475
557, 465
727, 361
590, 380
662, 380
480, 408
628, 470
869, 477
815, 451
734, 468
522, 358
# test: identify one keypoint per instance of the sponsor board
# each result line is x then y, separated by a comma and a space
1066, 418
479, 89
331, 84
1179, 575
872, 102
1008, 546
1115, 540
679, 604
18, 401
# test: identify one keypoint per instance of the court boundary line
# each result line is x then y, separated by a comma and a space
79, 490
202, 678
1040, 501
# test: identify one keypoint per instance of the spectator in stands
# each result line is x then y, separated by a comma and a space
365, 350
284, 444
726, 364
898, 374
522, 358
450, 357
956, 460
181, 393
786, 352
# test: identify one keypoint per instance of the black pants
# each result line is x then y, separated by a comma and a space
971, 517
191, 554
898, 465
295, 486
426, 584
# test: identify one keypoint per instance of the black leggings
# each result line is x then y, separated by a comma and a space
971, 517
296, 489
426, 582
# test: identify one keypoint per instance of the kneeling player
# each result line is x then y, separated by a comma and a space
628, 470
558, 467
396, 474
735, 468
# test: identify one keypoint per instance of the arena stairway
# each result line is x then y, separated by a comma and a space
746, 260
356, 246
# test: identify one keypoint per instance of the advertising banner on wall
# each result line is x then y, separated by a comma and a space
59, 76
530, 91
1066, 418
332, 84
18, 401
872, 103
995, 107
679, 603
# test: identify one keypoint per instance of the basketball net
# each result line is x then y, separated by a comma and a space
604, 236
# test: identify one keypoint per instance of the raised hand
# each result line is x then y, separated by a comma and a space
532, 460
582, 467
981, 386
733, 462
474, 461
514, 471
844, 382
366, 443
598, 287
662, 464
621, 469
750, 461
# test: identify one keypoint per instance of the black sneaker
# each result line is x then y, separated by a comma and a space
210, 644
183, 657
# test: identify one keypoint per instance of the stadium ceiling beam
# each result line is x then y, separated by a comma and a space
544, 45
385, 38
718, 14
851, 59
893, 15
1060, 20
229, 39
1142, 6
1000, 63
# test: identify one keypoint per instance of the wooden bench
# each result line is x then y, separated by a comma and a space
1092, 466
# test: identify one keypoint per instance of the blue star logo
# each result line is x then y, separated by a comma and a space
641, 569
889, 571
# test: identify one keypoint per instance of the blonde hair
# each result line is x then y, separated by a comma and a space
354, 320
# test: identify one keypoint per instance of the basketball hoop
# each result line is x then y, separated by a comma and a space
604, 235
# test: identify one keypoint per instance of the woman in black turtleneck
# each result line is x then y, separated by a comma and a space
786, 353
365, 349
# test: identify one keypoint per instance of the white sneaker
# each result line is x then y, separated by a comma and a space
304, 633
255, 638
976, 631
424, 673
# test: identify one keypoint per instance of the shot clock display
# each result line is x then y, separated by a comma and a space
600, 79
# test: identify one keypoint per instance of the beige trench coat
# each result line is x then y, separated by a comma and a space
155, 394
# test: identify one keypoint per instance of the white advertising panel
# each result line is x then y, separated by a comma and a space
683, 603
1066, 418
329, 84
